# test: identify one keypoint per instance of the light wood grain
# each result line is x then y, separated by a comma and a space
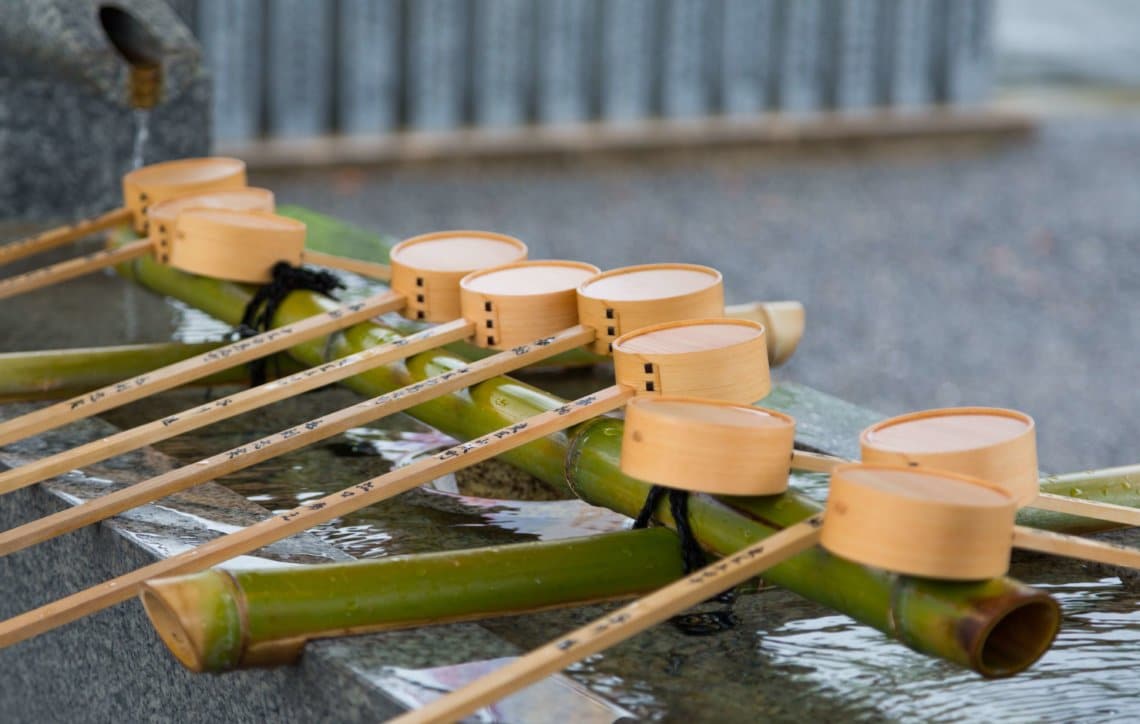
249, 539
618, 626
251, 453
718, 359
783, 325
427, 269
165, 378
517, 302
920, 522
230, 406
1070, 546
996, 445
1086, 508
370, 269
707, 446
72, 268
59, 236
158, 182
630, 298
232, 244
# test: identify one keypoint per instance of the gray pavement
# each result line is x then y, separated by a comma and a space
976, 272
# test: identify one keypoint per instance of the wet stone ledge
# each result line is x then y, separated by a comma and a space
112, 666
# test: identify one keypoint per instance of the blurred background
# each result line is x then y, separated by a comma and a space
949, 186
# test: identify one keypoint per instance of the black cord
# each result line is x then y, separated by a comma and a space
259, 313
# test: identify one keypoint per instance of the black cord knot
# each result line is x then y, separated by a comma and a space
259, 313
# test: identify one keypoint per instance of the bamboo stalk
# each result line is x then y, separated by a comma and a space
54, 373
954, 621
1111, 486
57, 237
72, 268
109, 593
165, 378
221, 620
293, 438
230, 406
615, 627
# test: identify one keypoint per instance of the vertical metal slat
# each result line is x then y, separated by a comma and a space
684, 72
564, 30
853, 54
436, 80
800, 77
908, 70
746, 68
625, 73
369, 65
502, 61
231, 40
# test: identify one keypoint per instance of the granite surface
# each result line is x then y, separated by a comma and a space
67, 128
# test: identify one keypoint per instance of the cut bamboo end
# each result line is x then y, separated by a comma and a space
163, 215
783, 323
624, 300
707, 446
919, 522
159, 182
236, 245
716, 359
427, 269
201, 624
521, 302
993, 444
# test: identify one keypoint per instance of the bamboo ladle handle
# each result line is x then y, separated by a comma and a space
620, 625
72, 268
59, 236
296, 437
1070, 546
165, 378
1088, 508
108, 593
370, 269
230, 406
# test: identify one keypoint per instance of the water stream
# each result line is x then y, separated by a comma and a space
142, 135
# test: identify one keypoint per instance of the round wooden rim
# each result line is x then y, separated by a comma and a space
689, 399
717, 278
465, 282
231, 249
989, 558
706, 466
141, 177
186, 203
1031, 426
394, 253
690, 323
931, 472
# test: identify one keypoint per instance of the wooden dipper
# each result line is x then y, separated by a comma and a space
993, 444
427, 269
707, 446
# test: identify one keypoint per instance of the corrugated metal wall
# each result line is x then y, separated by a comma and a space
307, 68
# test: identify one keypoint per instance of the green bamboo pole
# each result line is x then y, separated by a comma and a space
50, 374
220, 620
997, 627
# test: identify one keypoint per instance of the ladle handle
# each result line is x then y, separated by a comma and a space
1088, 508
315, 512
783, 325
1071, 546
370, 269
619, 625
815, 462
194, 368
61, 235
72, 268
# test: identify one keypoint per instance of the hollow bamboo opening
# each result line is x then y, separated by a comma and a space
172, 632
1017, 638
